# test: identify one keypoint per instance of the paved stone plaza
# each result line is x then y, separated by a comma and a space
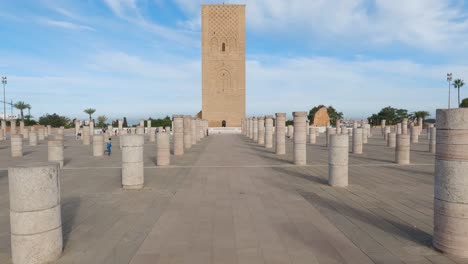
229, 200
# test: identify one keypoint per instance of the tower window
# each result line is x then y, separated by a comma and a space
223, 47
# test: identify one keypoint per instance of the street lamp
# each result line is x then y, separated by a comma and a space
449, 80
4, 82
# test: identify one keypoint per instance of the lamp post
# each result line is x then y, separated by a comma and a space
449, 80
4, 82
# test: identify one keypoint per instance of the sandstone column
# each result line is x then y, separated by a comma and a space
404, 126
269, 131
200, 129
98, 145
77, 127
25, 133
330, 131
382, 124
432, 140
148, 125
140, 130
187, 132
2, 135
255, 129
152, 135
344, 130
338, 160
163, 154
398, 129
368, 128
338, 126
4, 127
21, 127
32, 139
193, 130
261, 130
85, 135
300, 138
312, 135
55, 151
142, 123
59, 137
91, 128
132, 162
280, 128
40, 134
120, 125
451, 185
387, 131
420, 124
364, 135
197, 129
429, 130
12, 127
402, 150
178, 134
291, 131
414, 134
35, 217
391, 140
16, 145
357, 141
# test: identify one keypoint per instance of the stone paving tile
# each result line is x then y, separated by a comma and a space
228, 200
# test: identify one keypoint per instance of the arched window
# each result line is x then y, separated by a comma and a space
223, 47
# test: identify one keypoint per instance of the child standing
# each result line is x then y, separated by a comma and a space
108, 146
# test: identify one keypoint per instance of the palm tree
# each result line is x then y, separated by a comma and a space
28, 106
421, 114
458, 83
21, 106
90, 111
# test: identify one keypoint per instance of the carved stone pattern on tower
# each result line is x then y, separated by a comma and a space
223, 64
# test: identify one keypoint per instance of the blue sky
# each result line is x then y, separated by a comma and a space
141, 58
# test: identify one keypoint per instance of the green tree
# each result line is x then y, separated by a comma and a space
124, 123
54, 120
289, 122
458, 83
164, 122
101, 121
90, 111
464, 103
21, 106
390, 114
331, 111
115, 123
334, 115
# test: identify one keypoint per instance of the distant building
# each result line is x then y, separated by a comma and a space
9, 116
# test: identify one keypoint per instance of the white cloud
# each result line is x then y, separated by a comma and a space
119, 83
65, 24
120, 7
428, 24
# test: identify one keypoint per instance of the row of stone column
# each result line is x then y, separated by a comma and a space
188, 131
16, 141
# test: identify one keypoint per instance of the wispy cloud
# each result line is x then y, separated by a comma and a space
121, 7
65, 24
428, 24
